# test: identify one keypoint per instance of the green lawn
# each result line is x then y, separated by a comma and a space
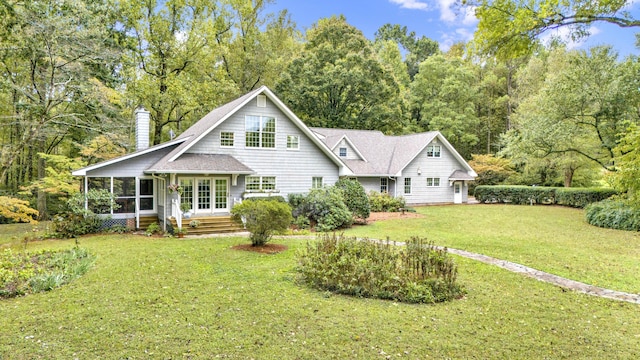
549, 238
197, 298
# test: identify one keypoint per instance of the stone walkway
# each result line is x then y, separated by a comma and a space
550, 278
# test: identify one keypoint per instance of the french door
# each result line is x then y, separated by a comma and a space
211, 195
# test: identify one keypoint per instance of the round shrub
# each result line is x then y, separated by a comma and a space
262, 218
355, 197
613, 214
323, 207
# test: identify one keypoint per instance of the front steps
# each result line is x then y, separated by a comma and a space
208, 225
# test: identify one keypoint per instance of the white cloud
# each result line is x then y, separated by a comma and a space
411, 4
458, 35
451, 12
564, 35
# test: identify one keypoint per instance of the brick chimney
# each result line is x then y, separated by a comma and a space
142, 128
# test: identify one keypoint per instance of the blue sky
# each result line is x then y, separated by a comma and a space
436, 19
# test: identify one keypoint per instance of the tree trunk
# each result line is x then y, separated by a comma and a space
42, 196
568, 176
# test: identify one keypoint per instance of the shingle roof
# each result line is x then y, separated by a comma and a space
460, 175
203, 164
384, 155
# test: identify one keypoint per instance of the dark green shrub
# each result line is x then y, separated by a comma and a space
277, 198
355, 197
613, 214
323, 207
581, 197
417, 273
519, 195
262, 218
383, 202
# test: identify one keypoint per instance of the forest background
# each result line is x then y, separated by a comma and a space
72, 72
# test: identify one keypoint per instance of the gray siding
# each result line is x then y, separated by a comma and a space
293, 169
441, 168
373, 184
131, 167
351, 153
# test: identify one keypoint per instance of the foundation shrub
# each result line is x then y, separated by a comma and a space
262, 218
355, 197
325, 209
383, 202
614, 214
416, 273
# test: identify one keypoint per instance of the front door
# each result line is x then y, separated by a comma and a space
457, 192
203, 196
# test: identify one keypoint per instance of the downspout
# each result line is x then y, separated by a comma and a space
86, 188
395, 185
137, 202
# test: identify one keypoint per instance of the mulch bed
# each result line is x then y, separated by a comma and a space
265, 249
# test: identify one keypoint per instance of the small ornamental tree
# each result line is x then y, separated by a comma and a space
355, 197
262, 218
16, 210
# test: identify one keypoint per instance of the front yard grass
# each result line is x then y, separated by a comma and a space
549, 238
198, 298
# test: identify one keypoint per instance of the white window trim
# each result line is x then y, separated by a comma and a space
260, 132
405, 186
233, 139
432, 149
433, 181
261, 185
297, 142
346, 151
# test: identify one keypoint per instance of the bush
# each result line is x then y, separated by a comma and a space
323, 207
383, 202
613, 214
355, 197
520, 195
262, 219
417, 273
76, 220
581, 197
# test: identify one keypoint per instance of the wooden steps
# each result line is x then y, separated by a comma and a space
208, 225
145, 221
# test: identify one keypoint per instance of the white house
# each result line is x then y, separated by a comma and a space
256, 146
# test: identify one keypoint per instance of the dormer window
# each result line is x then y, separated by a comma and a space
343, 152
433, 151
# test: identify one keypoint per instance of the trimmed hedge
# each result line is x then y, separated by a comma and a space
521, 195
613, 214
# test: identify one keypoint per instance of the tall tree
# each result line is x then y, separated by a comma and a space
338, 81
444, 96
509, 28
581, 111
259, 47
417, 49
50, 64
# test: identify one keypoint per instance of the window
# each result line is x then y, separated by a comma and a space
124, 189
187, 192
146, 194
316, 182
260, 131
99, 183
407, 185
260, 183
343, 152
433, 182
293, 142
433, 151
226, 139
384, 185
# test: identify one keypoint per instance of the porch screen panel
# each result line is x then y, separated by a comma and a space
146, 194
221, 194
204, 194
99, 183
124, 189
